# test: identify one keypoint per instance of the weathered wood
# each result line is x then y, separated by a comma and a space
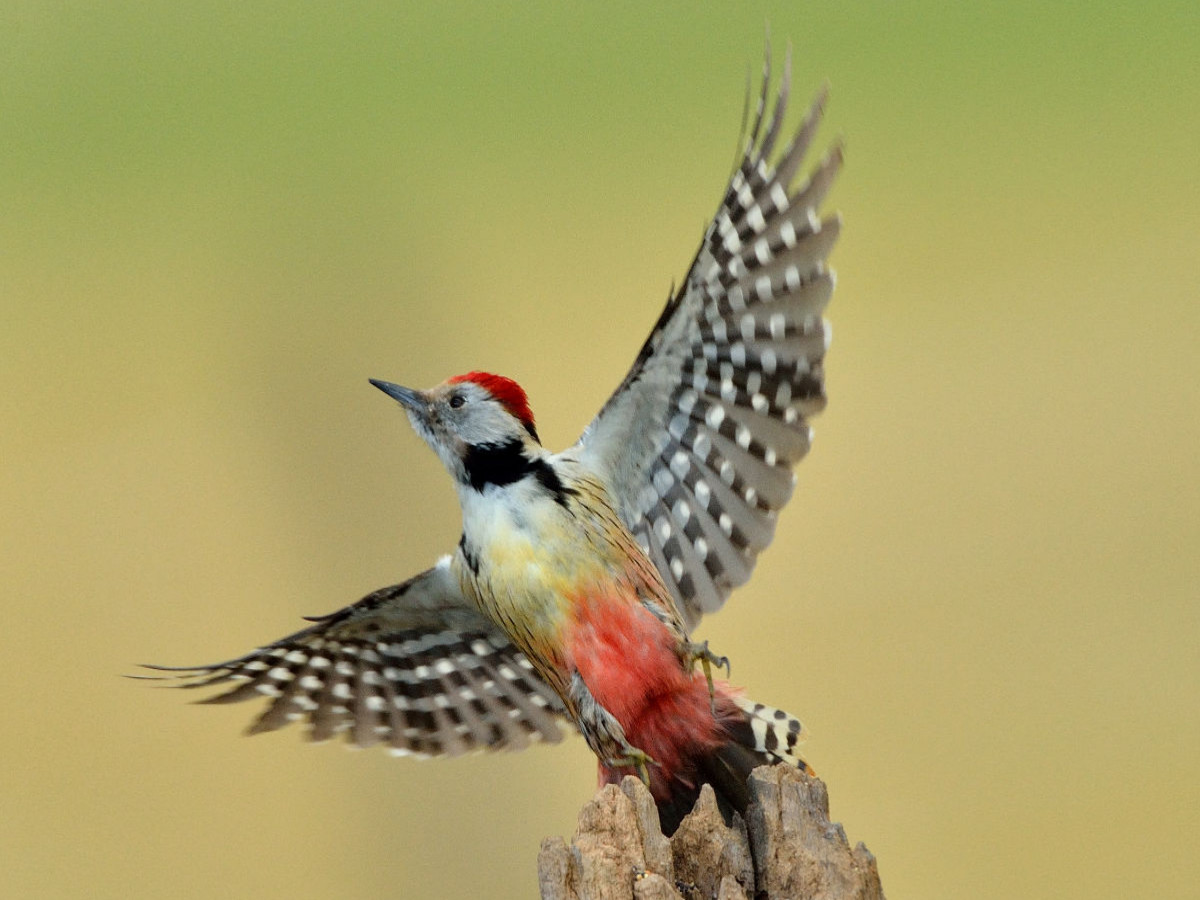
787, 849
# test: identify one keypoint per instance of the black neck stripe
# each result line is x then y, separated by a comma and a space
497, 464
502, 464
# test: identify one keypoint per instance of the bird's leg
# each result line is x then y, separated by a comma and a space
604, 733
699, 653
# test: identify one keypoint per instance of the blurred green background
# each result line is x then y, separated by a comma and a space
218, 220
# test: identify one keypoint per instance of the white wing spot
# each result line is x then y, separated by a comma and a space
663, 527
703, 494
788, 232
751, 495
746, 325
759, 403
779, 196
311, 683
679, 463
701, 548
791, 277
778, 326
755, 218
742, 436
726, 524
341, 690
279, 673
715, 416
769, 361
763, 286
267, 688
663, 481
375, 703
682, 511
677, 568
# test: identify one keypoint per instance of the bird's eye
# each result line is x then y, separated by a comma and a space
457, 400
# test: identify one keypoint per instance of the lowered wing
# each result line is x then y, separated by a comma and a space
412, 666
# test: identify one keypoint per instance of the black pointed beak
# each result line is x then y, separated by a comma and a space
413, 401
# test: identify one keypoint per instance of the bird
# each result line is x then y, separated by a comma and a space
580, 575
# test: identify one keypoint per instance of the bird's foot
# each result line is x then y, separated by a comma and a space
699, 653
635, 758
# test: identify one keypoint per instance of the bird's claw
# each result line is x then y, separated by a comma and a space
699, 653
635, 758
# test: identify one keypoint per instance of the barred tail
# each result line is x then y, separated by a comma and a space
755, 735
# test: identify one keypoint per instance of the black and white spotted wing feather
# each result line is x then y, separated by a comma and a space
412, 666
698, 443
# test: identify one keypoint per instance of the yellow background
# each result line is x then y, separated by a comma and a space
218, 220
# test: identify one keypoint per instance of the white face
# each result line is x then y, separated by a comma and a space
455, 416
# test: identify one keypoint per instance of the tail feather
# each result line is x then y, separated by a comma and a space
756, 735
769, 732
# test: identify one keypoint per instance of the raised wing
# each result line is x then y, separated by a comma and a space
412, 665
698, 443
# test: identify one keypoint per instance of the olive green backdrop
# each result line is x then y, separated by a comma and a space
217, 220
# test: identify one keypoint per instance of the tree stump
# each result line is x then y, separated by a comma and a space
786, 849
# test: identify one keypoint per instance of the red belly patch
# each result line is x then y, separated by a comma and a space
627, 658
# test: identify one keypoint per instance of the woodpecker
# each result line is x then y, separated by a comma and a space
580, 575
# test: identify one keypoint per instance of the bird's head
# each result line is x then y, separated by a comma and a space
479, 424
